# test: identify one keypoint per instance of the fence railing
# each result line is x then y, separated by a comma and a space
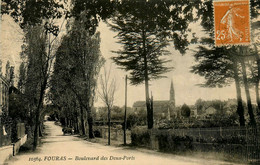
243, 142
115, 133
18, 144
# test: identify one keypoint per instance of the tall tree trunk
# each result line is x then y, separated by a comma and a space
30, 124
151, 106
65, 121
37, 113
82, 120
257, 95
36, 128
125, 118
240, 108
257, 80
40, 130
77, 123
90, 124
44, 75
249, 104
109, 123
148, 106
146, 80
89, 104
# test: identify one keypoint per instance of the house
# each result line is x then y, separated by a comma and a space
210, 111
161, 108
193, 111
5, 130
4, 89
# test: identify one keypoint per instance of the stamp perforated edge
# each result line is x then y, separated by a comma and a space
238, 44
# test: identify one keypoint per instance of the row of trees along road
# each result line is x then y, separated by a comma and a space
78, 61
37, 20
144, 32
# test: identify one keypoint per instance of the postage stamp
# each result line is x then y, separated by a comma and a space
232, 22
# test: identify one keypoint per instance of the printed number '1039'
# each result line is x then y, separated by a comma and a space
220, 35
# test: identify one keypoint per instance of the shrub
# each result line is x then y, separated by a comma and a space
140, 137
174, 143
185, 111
28, 146
97, 133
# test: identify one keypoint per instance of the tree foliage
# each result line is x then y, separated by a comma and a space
221, 66
93, 11
78, 61
144, 32
215, 65
185, 111
34, 12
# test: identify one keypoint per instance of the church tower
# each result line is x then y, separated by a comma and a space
172, 95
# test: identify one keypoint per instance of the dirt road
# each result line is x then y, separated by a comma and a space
60, 149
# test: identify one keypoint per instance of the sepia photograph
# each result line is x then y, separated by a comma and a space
129, 82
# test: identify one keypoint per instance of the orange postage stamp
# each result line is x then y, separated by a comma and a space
231, 22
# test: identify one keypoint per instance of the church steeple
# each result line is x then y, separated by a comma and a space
172, 94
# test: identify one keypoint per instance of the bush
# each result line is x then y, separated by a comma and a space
140, 138
97, 133
174, 143
28, 146
185, 111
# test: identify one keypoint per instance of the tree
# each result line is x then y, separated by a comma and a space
145, 32
220, 66
36, 18
256, 44
0, 67
185, 111
22, 77
33, 12
39, 61
15, 103
117, 113
107, 94
30, 15
79, 61
63, 99
248, 97
94, 11
219, 69
254, 80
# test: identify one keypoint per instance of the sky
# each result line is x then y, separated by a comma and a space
185, 83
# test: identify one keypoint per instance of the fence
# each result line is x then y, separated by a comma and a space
116, 134
18, 144
11, 150
241, 142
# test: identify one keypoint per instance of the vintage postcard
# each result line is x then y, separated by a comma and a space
130, 82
